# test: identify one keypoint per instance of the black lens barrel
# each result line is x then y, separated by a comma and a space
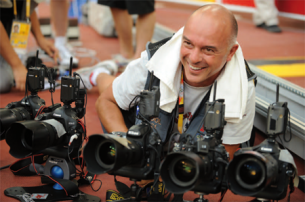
183, 171
250, 172
103, 153
27, 137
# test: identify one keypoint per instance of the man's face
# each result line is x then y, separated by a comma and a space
204, 50
16, 29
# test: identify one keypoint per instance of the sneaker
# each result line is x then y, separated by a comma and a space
86, 72
65, 55
270, 28
121, 61
273, 29
6, 4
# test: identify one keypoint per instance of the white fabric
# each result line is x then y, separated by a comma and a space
165, 61
232, 85
266, 12
130, 83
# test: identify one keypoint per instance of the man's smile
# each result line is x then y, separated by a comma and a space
196, 68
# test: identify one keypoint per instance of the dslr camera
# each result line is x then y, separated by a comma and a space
133, 154
29, 107
58, 127
263, 171
198, 163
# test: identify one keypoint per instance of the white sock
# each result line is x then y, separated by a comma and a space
60, 41
96, 72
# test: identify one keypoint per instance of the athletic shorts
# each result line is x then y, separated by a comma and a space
139, 7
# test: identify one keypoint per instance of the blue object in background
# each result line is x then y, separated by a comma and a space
75, 9
57, 172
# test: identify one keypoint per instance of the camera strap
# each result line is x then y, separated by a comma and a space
123, 189
181, 105
48, 193
22, 166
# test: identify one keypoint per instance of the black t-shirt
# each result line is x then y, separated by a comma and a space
7, 15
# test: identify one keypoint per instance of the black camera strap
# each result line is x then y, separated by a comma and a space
123, 189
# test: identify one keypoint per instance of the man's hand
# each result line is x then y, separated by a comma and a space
20, 73
48, 47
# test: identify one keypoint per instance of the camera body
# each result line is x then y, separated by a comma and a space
27, 108
195, 165
132, 154
258, 172
142, 136
54, 128
123, 154
198, 163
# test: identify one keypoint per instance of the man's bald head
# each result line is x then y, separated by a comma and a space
220, 15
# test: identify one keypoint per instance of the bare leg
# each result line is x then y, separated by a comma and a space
59, 16
123, 26
145, 29
103, 80
60, 21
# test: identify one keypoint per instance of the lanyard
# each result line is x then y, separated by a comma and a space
181, 105
28, 6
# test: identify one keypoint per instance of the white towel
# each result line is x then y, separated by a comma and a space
232, 83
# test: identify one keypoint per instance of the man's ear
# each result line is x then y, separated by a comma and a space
232, 52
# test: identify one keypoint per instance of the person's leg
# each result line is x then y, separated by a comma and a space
123, 25
145, 23
59, 19
271, 13
266, 15
100, 75
103, 80
258, 16
59, 16
6, 76
266, 12
145, 29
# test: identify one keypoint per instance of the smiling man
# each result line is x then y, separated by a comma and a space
185, 67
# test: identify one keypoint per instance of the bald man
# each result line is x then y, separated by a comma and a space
200, 52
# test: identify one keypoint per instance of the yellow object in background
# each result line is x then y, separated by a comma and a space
285, 70
19, 36
206, 1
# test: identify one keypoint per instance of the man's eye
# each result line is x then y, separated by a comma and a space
209, 50
187, 43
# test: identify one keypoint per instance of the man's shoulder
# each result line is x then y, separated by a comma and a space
151, 48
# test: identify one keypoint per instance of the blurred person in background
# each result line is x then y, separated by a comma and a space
13, 71
265, 16
121, 12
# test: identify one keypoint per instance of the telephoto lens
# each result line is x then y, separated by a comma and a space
110, 153
130, 154
29, 137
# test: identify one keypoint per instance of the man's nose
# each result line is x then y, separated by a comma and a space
195, 56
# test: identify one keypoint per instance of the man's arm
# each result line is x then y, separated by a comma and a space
109, 111
237, 133
120, 93
11, 57
42, 42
